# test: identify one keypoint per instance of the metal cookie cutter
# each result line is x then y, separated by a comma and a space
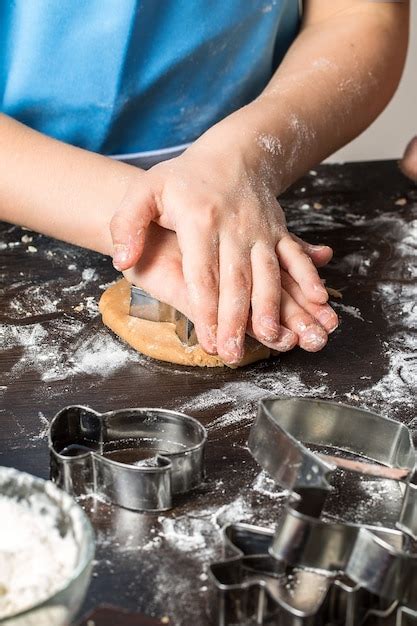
135, 458
284, 427
370, 572
257, 589
148, 308
301, 537
386, 571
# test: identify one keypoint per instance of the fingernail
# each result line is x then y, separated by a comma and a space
314, 338
233, 350
211, 332
120, 254
319, 288
321, 291
270, 328
335, 325
329, 320
286, 340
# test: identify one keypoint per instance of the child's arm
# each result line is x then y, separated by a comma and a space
57, 189
70, 194
219, 196
337, 77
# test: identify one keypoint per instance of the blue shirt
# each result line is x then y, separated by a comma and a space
124, 76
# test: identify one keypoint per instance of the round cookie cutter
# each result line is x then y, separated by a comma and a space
137, 458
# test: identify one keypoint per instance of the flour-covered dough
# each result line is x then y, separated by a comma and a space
159, 339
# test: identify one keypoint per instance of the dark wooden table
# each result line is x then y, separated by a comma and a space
55, 352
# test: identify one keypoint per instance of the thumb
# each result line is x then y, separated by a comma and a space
129, 224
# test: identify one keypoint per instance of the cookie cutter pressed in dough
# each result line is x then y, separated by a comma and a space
146, 307
136, 458
367, 571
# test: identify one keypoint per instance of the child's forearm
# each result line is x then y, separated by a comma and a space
337, 77
57, 189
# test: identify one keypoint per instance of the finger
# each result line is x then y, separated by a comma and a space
293, 259
311, 336
287, 339
234, 300
408, 164
128, 226
322, 313
320, 255
266, 293
201, 275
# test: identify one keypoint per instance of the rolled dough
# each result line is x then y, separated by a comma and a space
159, 339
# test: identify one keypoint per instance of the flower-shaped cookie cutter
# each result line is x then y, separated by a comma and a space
137, 458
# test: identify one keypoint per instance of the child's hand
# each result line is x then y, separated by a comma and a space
408, 164
159, 272
231, 231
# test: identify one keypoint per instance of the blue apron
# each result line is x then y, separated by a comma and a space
122, 77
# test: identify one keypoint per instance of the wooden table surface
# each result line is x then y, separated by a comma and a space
55, 352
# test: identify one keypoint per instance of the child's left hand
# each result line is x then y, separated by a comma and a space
159, 272
231, 232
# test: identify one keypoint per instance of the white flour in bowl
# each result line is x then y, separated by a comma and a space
35, 560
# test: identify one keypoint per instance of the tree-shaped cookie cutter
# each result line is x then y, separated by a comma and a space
256, 588
91, 453
355, 571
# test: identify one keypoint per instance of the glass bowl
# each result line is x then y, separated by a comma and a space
59, 605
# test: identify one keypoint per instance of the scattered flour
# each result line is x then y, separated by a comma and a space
241, 415
244, 396
33, 300
187, 534
236, 511
270, 143
65, 347
208, 399
88, 274
43, 430
350, 310
199, 532
398, 388
357, 263
99, 354
267, 486
52, 324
